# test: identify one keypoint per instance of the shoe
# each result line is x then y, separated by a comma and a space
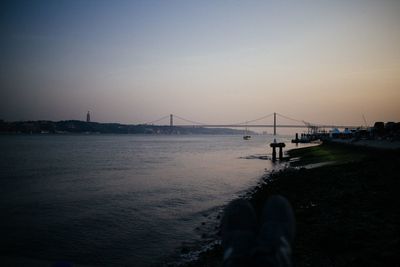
239, 228
276, 234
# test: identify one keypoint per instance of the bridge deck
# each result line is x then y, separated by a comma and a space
265, 126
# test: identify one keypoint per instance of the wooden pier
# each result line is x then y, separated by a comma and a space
275, 145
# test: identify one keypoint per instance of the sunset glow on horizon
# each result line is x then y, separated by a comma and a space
329, 62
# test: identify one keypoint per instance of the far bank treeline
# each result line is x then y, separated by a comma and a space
75, 126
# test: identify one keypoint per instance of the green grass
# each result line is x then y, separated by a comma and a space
327, 153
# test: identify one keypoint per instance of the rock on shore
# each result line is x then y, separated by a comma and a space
347, 212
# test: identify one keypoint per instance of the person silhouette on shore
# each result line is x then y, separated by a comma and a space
246, 244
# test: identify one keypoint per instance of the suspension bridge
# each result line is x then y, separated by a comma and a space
254, 123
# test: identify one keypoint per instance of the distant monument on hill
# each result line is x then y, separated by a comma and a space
88, 117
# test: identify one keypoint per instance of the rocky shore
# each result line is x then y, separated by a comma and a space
347, 210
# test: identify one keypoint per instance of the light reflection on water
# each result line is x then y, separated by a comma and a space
112, 200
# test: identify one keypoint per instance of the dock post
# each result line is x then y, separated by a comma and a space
274, 145
273, 153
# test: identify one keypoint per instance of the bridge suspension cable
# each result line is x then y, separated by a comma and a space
306, 123
289, 118
190, 121
160, 119
258, 119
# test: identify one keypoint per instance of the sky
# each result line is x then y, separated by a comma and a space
329, 62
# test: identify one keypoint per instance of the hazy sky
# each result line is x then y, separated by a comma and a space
209, 61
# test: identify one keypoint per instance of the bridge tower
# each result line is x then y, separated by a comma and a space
275, 145
171, 120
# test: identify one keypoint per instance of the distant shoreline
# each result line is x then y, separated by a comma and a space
82, 127
374, 143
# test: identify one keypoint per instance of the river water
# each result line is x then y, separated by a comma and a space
118, 200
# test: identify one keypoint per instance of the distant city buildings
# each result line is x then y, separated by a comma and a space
88, 117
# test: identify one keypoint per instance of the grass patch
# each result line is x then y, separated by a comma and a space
327, 153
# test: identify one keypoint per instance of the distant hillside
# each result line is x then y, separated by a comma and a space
74, 126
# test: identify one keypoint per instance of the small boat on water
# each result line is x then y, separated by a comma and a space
246, 136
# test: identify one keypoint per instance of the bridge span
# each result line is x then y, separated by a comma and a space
261, 126
248, 124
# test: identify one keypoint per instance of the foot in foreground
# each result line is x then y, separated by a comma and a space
246, 242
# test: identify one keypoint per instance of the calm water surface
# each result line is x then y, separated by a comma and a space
117, 200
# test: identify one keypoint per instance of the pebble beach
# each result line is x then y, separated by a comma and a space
346, 210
